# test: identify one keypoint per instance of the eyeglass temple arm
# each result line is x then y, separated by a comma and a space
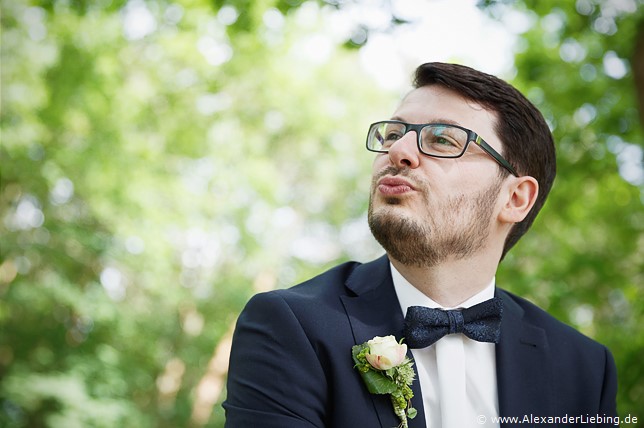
496, 155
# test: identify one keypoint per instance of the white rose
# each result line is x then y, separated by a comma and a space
385, 352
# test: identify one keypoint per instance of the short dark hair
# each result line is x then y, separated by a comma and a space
527, 141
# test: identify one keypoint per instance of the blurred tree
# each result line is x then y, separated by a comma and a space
162, 161
638, 68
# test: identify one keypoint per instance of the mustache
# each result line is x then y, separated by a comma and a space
403, 172
390, 170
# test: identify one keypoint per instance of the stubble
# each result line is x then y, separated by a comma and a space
455, 228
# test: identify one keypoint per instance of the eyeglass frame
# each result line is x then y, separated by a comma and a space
471, 136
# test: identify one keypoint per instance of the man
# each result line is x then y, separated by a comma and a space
463, 167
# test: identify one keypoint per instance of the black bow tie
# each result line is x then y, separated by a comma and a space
482, 322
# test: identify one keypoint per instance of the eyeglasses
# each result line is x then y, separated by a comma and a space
437, 140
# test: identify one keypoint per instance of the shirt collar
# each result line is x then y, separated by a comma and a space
408, 295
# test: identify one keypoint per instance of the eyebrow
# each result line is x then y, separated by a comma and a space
437, 120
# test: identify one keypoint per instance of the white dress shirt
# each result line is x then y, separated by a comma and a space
480, 398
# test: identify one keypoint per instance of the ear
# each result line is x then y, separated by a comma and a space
521, 195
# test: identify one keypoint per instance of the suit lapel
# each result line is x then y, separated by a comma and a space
373, 310
523, 365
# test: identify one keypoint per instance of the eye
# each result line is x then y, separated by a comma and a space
393, 136
390, 135
443, 140
438, 137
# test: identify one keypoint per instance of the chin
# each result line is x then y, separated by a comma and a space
393, 210
391, 200
390, 208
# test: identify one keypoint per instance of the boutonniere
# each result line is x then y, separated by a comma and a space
385, 369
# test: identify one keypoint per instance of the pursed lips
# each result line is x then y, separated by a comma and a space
394, 186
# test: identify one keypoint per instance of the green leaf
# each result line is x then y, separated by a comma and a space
411, 413
377, 383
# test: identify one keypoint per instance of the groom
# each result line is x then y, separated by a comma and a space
462, 169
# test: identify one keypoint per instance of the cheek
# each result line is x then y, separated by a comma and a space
379, 162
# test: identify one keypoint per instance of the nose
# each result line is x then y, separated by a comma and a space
404, 152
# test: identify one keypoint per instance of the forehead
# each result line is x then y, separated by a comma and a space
439, 104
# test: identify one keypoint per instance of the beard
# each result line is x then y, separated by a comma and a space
455, 229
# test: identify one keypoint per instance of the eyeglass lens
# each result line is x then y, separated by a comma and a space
440, 140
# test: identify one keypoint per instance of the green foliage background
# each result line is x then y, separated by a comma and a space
151, 183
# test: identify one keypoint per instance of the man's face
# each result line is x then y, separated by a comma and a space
426, 210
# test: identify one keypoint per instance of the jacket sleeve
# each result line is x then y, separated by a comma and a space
275, 378
608, 403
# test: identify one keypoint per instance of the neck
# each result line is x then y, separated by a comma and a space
451, 282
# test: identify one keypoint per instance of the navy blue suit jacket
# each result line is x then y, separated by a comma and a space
291, 364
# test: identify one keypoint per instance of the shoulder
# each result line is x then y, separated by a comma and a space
559, 334
318, 305
581, 371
